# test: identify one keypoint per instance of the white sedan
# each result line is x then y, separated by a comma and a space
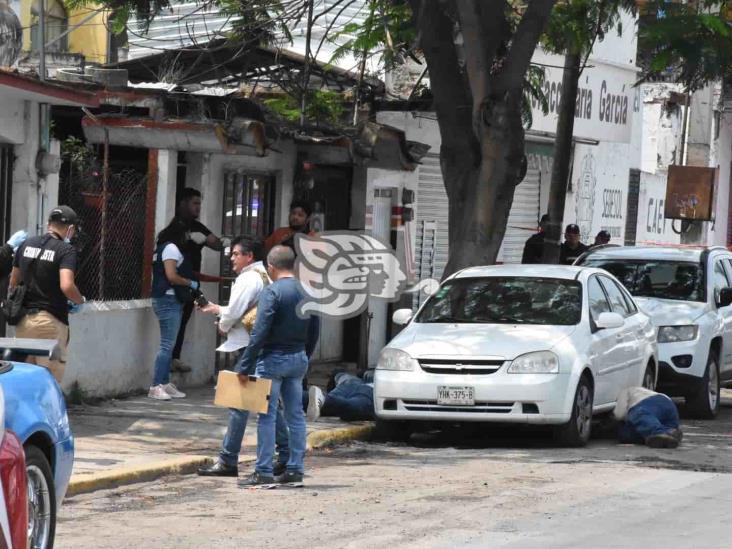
537, 344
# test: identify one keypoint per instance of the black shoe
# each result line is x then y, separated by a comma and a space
289, 477
218, 469
662, 440
279, 469
256, 479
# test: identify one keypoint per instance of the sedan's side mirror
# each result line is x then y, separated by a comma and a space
725, 297
609, 320
402, 317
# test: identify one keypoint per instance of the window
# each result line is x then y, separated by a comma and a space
506, 300
597, 299
682, 281
57, 23
719, 278
615, 294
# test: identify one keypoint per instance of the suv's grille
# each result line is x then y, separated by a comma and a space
463, 367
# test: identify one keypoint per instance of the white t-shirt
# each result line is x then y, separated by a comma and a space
171, 251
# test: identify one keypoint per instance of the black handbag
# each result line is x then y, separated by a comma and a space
12, 305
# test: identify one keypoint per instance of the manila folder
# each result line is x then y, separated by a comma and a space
231, 393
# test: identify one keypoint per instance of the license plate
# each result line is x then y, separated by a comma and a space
455, 396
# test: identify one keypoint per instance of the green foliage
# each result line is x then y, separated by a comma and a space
323, 106
387, 34
533, 92
690, 44
78, 152
575, 25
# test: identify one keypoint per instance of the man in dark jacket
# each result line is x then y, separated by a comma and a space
280, 345
534, 247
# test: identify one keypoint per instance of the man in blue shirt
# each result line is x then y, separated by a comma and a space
279, 348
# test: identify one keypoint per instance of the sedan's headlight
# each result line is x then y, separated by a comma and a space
672, 334
394, 359
542, 362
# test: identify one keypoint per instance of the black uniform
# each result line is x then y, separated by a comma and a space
567, 255
42, 276
533, 249
192, 251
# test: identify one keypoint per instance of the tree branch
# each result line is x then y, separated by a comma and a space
523, 45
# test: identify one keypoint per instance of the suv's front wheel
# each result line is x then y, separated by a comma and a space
703, 403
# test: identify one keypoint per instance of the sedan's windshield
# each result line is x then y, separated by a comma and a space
506, 300
682, 281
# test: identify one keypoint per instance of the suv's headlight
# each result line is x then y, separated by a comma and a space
542, 362
672, 334
394, 359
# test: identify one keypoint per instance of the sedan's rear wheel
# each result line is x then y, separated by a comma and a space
576, 432
41, 500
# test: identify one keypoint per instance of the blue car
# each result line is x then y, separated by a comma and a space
35, 411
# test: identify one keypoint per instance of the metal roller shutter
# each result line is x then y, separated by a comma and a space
523, 218
431, 239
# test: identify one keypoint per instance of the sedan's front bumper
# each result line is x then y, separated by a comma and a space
499, 397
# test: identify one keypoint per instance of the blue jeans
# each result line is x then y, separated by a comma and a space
653, 416
235, 435
286, 370
352, 399
169, 312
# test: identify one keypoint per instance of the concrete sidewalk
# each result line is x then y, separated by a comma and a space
137, 439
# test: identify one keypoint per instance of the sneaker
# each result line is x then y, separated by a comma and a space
180, 366
158, 393
256, 479
173, 391
289, 477
218, 469
662, 440
279, 469
316, 398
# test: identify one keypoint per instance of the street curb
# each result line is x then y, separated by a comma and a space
331, 437
132, 474
121, 476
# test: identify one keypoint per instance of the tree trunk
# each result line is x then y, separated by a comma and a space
562, 158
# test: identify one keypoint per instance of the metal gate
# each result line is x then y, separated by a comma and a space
6, 192
523, 218
248, 210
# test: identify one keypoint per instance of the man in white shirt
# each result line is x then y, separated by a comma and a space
246, 261
647, 418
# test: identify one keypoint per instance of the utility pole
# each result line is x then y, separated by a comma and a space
306, 68
42, 40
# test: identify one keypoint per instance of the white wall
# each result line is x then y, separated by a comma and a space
653, 227
599, 195
722, 158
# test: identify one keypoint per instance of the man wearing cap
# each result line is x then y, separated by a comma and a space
534, 247
46, 265
572, 247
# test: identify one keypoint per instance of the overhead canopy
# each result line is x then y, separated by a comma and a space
16, 86
224, 62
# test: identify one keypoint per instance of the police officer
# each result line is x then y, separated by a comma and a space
47, 265
572, 247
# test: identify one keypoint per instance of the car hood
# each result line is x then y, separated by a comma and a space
668, 312
506, 341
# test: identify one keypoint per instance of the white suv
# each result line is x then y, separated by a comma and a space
687, 292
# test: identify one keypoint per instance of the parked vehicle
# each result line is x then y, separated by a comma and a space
687, 292
526, 343
35, 412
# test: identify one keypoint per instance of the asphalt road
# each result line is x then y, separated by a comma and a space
498, 488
